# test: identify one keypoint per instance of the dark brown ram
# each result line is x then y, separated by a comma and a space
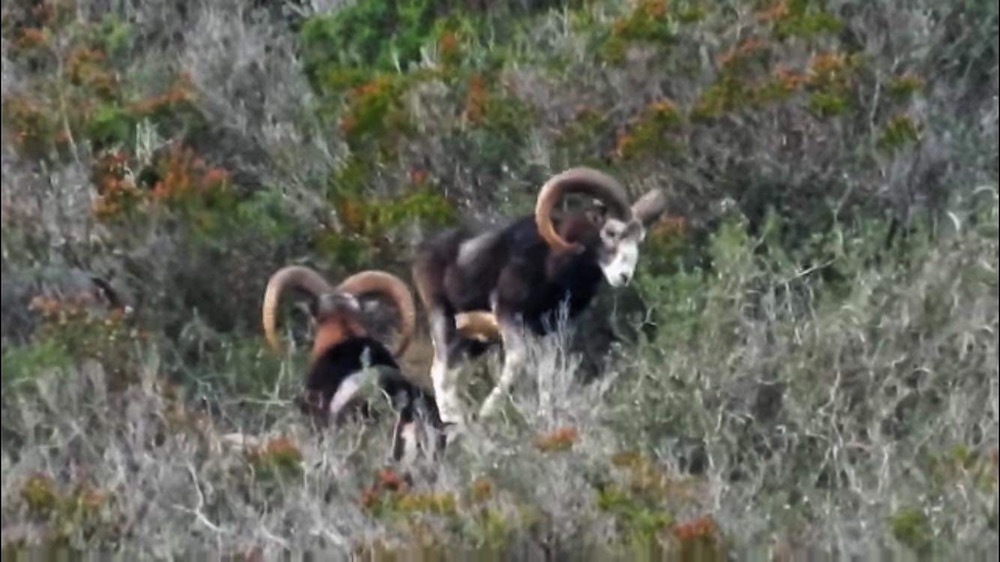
345, 357
525, 272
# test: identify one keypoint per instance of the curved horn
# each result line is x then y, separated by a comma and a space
393, 287
477, 325
577, 180
289, 276
648, 208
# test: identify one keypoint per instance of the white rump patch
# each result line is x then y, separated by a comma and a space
347, 390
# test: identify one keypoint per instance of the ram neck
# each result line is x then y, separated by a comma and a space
340, 361
334, 332
576, 283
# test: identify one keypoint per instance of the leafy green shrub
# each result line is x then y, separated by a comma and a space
899, 131
21, 363
73, 330
816, 356
496, 126
648, 134
388, 36
911, 527
78, 93
76, 516
373, 111
651, 21
278, 458
800, 18
380, 34
176, 180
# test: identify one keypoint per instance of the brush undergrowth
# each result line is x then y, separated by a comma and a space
807, 364
774, 405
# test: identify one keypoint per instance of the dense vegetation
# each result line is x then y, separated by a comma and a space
808, 362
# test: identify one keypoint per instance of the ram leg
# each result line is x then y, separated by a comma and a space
406, 439
515, 355
444, 375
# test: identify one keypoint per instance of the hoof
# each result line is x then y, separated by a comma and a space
452, 432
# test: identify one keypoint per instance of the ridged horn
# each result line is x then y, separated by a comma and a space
479, 325
374, 281
648, 208
577, 180
290, 276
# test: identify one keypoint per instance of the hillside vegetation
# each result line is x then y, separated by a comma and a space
806, 363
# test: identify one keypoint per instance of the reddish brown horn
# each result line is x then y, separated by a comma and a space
577, 180
373, 281
290, 276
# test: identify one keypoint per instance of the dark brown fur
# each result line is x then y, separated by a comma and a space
528, 273
340, 343
514, 261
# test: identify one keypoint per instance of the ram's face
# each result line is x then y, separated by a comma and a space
337, 303
619, 251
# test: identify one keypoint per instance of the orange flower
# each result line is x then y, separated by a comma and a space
448, 45
626, 459
389, 479
746, 48
789, 80
476, 99
827, 68
701, 528
181, 92
663, 107
418, 176
777, 11
448, 41
482, 489
669, 226
32, 37
215, 177
652, 9
369, 497
282, 446
559, 440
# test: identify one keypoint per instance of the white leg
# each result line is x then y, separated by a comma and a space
444, 378
406, 442
445, 382
515, 354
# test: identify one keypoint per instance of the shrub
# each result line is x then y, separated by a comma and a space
808, 352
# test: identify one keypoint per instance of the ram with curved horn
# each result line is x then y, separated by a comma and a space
345, 358
520, 275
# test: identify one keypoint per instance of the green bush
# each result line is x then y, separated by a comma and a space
808, 353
